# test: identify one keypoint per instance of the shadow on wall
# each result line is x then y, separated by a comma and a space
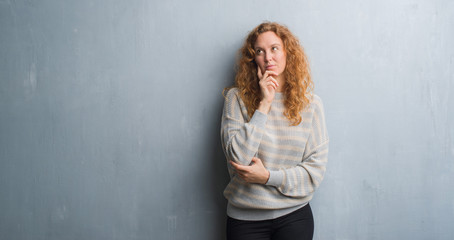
219, 177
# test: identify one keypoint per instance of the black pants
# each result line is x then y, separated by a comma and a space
297, 225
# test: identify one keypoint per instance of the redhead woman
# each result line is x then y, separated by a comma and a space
274, 138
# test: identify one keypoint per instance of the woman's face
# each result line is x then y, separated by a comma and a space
270, 53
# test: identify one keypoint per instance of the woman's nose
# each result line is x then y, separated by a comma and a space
268, 57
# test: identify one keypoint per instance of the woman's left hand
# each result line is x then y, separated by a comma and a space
254, 173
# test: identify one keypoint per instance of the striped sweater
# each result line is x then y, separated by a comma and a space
295, 156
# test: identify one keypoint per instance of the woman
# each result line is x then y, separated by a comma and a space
274, 137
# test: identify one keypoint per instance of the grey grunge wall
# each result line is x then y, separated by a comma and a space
110, 114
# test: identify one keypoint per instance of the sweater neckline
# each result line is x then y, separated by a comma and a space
279, 95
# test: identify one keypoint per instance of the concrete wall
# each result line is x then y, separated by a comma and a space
110, 115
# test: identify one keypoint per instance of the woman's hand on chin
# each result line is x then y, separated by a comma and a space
268, 85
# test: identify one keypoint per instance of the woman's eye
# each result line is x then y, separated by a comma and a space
274, 48
258, 51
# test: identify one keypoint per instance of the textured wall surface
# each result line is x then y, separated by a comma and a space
110, 115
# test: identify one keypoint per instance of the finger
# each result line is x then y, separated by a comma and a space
257, 161
263, 76
269, 82
259, 72
268, 77
273, 80
266, 74
237, 166
272, 84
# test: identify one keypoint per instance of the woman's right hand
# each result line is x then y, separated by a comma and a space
268, 85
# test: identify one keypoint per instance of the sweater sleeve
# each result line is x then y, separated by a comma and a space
306, 176
240, 138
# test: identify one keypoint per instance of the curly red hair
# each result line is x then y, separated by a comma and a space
298, 83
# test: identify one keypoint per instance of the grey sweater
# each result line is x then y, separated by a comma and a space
295, 156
